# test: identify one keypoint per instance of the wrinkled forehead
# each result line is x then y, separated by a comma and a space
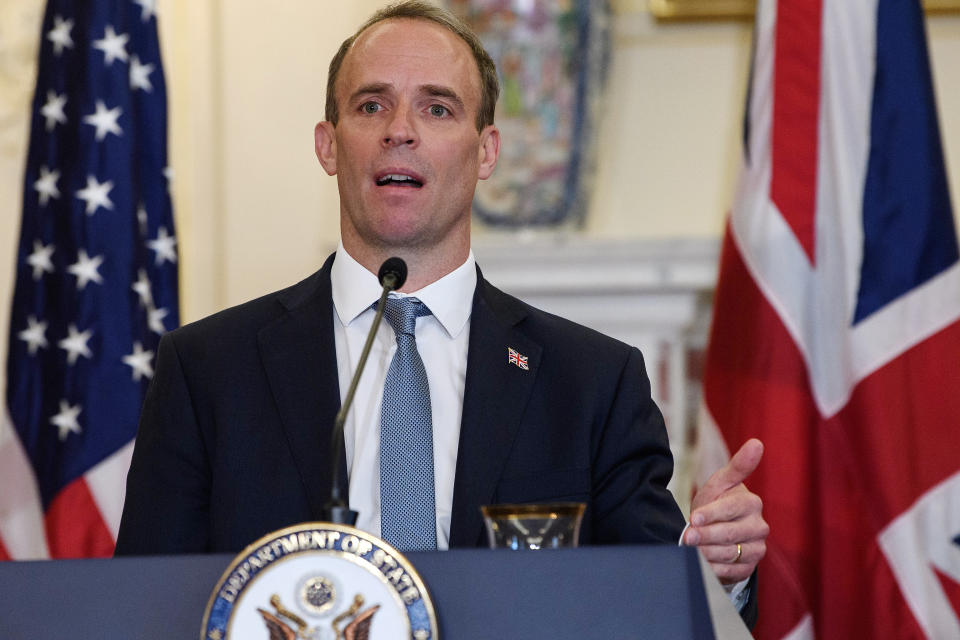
410, 50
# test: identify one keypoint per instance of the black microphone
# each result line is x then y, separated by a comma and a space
392, 275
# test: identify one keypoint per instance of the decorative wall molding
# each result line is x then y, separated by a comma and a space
626, 289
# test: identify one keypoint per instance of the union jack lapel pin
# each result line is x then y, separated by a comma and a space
516, 359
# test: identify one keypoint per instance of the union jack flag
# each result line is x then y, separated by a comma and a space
96, 279
840, 267
515, 358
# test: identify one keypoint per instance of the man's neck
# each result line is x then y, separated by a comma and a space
423, 267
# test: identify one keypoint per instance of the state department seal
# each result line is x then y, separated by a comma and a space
319, 581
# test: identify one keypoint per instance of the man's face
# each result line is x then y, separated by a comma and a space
406, 150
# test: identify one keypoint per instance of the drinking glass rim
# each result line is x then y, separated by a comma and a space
542, 510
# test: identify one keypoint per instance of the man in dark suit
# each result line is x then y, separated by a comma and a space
527, 407
235, 434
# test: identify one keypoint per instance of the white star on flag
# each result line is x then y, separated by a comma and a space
66, 420
40, 259
85, 268
168, 174
142, 219
46, 185
75, 344
140, 362
155, 320
140, 74
142, 287
112, 45
164, 246
60, 34
105, 120
52, 109
96, 194
148, 8
34, 335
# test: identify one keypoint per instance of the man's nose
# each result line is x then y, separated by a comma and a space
401, 129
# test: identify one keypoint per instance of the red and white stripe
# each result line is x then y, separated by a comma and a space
81, 521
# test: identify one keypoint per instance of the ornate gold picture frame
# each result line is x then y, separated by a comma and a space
744, 9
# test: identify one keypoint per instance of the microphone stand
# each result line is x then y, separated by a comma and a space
336, 510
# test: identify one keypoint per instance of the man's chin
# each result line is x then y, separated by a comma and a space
420, 240
406, 241
401, 199
404, 228
408, 230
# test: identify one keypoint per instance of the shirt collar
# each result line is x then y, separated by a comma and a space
450, 299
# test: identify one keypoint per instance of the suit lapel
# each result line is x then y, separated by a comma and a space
495, 396
299, 356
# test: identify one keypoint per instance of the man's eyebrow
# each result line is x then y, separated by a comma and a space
440, 91
367, 89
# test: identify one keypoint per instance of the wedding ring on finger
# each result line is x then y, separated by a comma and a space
739, 553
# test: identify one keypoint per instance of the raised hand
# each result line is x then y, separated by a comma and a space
726, 519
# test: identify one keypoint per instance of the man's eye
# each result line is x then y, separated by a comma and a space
370, 107
438, 110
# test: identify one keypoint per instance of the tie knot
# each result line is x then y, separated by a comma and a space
402, 314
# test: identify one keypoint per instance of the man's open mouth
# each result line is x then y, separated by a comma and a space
398, 179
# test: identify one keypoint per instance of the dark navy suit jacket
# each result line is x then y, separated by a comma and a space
234, 436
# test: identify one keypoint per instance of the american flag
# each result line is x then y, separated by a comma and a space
836, 334
96, 279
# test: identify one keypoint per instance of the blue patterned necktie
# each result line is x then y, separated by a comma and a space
407, 504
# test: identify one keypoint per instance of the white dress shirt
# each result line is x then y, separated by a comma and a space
442, 340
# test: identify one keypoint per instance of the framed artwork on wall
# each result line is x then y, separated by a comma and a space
551, 58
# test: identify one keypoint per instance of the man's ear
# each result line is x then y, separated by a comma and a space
489, 150
325, 144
